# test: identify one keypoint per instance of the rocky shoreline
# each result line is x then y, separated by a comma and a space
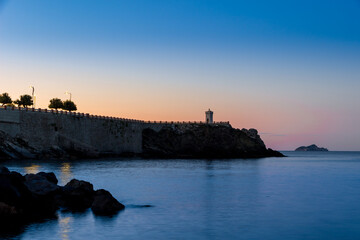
197, 141
34, 197
205, 141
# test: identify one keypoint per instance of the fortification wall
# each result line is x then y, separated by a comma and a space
46, 130
10, 122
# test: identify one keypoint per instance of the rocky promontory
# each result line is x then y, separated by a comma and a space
33, 197
169, 141
311, 148
204, 141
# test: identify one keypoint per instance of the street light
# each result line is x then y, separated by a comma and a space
32, 95
68, 93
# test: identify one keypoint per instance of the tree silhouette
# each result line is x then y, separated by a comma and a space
18, 102
56, 103
5, 99
25, 101
69, 106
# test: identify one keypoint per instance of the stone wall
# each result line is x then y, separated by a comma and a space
48, 130
10, 122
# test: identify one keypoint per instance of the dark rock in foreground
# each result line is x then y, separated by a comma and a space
50, 176
38, 184
204, 141
24, 199
105, 204
312, 147
78, 195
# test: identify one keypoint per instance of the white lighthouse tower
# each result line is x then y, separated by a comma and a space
209, 116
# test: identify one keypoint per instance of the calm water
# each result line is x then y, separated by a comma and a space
304, 196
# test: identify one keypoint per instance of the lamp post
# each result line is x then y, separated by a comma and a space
68, 93
32, 95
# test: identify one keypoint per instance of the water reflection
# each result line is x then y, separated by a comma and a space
209, 191
65, 173
65, 226
218, 199
106, 221
32, 169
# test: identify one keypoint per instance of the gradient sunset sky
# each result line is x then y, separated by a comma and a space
290, 69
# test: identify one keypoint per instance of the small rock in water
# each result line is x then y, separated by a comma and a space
105, 204
78, 195
145, 206
140, 206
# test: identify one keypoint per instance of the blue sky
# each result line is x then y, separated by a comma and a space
271, 65
189, 23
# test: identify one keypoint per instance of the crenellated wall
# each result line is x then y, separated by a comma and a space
47, 130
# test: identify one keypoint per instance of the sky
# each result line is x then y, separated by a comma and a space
290, 69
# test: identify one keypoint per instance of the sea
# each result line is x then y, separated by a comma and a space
307, 195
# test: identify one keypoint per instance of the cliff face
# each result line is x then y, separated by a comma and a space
19, 148
204, 141
13, 148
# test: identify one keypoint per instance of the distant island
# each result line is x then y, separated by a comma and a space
311, 148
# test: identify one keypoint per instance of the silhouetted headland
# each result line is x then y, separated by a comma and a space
204, 141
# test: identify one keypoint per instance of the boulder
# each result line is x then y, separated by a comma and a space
78, 195
13, 190
17, 177
7, 211
43, 195
50, 176
4, 170
105, 204
40, 185
33, 197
